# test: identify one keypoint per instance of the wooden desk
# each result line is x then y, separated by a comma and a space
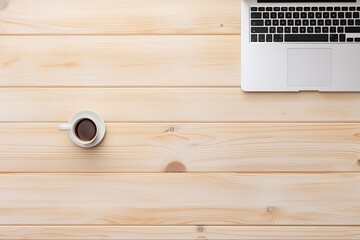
187, 154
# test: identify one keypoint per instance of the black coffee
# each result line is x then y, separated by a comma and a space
85, 130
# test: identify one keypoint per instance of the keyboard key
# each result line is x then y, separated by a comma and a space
342, 37
278, 37
307, 9
275, 22
326, 15
279, 29
272, 30
357, 22
350, 39
306, 37
294, 29
352, 8
333, 14
290, 22
329, 9
259, 30
352, 29
287, 29
333, 29
305, 22
282, 22
284, 9
266, 15
348, 15
351, 22
313, 22
261, 38
357, 39
356, 15
296, 15
341, 15
267, 22
273, 15
322, 9
288, 15
318, 15
311, 15
268, 37
325, 29
343, 22
253, 9
269, 9
337, 9
310, 29
328, 22
334, 38
276, 9
253, 38
320, 22
281, 15
256, 15
299, 9
257, 22
297, 22
314, 9
261, 9
303, 15
302, 29
318, 29
335, 22
340, 29
291, 9
344, 9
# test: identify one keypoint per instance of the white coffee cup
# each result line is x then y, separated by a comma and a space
85, 128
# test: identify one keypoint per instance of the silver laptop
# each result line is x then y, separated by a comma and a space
300, 45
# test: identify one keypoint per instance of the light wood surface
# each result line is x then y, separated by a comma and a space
180, 232
176, 105
248, 147
187, 154
120, 17
120, 60
180, 199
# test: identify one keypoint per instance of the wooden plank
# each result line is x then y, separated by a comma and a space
180, 199
120, 17
37, 147
179, 232
176, 105
120, 61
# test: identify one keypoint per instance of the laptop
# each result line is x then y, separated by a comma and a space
300, 45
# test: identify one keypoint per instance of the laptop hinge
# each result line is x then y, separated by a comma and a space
306, 1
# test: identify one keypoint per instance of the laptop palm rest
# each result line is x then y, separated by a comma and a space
309, 68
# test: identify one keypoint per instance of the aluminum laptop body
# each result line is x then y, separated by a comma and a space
302, 45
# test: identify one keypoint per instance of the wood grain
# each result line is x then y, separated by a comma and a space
248, 147
120, 17
179, 232
176, 105
120, 61
180, 199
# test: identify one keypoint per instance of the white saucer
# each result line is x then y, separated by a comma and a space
100, 125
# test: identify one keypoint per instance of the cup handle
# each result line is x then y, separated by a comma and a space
65, 127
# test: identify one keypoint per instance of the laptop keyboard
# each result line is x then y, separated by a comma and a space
305, 24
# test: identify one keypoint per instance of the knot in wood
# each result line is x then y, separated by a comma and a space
4, 4
175, 166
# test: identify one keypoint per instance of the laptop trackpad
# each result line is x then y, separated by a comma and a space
309, 68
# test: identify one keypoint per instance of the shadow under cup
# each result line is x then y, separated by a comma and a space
85, 130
